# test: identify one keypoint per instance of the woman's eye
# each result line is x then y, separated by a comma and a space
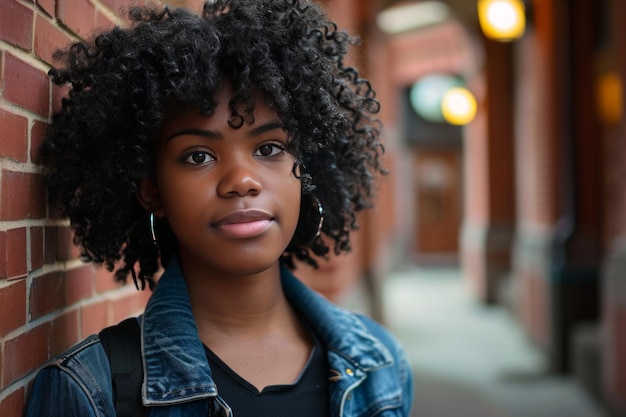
269, 149
198, 158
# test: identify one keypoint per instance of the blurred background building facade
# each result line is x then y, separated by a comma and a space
527, 196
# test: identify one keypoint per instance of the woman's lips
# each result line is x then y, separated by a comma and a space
242, 224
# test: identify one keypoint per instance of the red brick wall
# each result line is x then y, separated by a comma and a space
489, 199
49, 300
537, 168
614, 285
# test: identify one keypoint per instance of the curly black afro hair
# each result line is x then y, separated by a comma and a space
102, 142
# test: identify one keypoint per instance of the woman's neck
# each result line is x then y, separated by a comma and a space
249, 324
245, 305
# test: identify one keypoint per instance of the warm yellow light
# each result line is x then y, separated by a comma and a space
502, 20
610, 98
458, 106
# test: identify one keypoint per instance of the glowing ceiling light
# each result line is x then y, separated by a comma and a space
502, 20
412, 16
458, 106
426, 94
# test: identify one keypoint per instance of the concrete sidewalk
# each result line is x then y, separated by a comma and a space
472, 360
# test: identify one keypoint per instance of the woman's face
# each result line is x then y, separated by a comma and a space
230, 195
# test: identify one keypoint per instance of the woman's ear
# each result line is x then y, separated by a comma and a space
148, 197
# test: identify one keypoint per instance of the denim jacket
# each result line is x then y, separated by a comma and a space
369, 374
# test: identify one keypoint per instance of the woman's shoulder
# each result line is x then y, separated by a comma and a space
346, 321
74, 383
86, 354
382, 333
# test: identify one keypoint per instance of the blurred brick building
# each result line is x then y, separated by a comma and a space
541, 203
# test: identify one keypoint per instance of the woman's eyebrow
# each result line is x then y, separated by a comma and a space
274, 124
196, 132
259, 130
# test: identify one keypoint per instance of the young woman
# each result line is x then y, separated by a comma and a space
219, 147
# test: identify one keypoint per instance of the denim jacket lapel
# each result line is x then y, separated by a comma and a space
175, 366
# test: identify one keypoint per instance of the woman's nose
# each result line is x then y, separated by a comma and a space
239, 178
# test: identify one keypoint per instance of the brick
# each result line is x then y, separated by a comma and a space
94, 318
78, 16
47, 294
64, 333
3, 255
105, 280
48, 6
13, 136
26, 86
24, 353
13, 404
58, 289
16, 253
129, 304
103, 22
23, 196
118, 6
63, 243
49, 244
36, 248
48, 38
12, 307
37, 135
123, 308
16, 24
58, 245
80, 284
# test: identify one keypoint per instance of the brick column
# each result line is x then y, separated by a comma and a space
559, 239
539, 66
487, 231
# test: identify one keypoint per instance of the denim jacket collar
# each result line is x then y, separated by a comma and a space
341, 331
175, 365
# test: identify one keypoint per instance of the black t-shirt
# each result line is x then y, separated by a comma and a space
307, 397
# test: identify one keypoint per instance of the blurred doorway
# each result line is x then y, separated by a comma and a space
437, 194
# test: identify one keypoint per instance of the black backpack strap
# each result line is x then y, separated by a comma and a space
122, 344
